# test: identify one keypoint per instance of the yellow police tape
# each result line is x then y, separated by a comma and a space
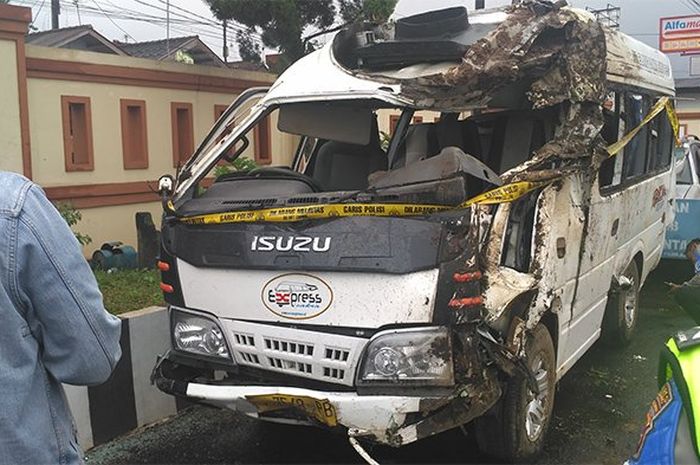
316, 212
664, 103
502, 194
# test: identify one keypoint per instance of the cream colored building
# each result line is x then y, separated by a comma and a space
97, 130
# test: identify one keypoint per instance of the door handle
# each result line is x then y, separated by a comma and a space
561, 247
615, 226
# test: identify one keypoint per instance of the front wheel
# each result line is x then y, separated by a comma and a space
622, 310
515, 429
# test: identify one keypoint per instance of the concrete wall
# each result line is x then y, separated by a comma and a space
106, 224
127, 400
47, 130
46, 124
10, 131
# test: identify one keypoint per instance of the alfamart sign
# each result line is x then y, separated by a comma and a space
680, 34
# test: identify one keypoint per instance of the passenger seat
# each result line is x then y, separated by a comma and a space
340, 166
420, 143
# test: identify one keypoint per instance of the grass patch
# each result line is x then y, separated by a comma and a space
128, 290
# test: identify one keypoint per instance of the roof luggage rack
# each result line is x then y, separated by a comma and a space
432, 37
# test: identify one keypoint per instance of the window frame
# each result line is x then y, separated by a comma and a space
219, 110
627, 177
628, 181
263, 125
394, 121
174, 126
70, 165
132, 162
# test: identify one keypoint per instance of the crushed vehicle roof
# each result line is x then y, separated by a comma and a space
565, 51
536, 54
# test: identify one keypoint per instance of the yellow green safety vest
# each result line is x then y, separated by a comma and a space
680, 360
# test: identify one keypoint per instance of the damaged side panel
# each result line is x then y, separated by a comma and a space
563, 53
546, 255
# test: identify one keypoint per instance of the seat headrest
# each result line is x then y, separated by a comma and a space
419, 143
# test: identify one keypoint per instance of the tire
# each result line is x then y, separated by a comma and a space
516, 428
622, 311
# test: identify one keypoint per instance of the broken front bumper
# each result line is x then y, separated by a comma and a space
389, 419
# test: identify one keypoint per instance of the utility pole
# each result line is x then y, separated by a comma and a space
225, 43
167, 26
480, 5
608, 16
55, 11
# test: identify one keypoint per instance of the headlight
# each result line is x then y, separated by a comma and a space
416, 356
198, 335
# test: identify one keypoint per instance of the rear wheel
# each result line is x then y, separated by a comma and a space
515, 429
622, 311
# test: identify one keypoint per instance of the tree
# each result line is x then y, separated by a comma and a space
248, 48
376, 11
283, 23
72, 217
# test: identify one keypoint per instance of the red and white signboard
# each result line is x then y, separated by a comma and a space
680, 34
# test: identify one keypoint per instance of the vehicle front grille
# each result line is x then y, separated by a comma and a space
324, 357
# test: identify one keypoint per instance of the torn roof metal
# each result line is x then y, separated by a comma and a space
569, 55
544, 51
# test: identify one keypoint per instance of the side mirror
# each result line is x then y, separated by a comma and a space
165, 185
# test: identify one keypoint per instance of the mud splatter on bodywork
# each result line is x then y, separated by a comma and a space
559, 50
560, 53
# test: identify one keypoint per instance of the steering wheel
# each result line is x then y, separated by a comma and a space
265, 171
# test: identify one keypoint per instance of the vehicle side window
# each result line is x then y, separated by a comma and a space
610, 134
650, 150
517, 243
635, 153
660, 143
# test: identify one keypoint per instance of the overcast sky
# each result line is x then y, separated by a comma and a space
639, 18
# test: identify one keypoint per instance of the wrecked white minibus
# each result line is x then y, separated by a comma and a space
452, 277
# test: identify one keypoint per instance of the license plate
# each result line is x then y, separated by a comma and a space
320, 409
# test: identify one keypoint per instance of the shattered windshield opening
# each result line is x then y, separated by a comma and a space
219, 142
519, 107
360, 152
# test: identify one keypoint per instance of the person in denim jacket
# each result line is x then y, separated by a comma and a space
53, 328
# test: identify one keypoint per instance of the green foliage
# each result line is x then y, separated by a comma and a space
73, 217
239, 164
376, 11
282, 24
384, 140
248, 48
128, 290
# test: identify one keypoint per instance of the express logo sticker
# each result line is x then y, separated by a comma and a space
297, 296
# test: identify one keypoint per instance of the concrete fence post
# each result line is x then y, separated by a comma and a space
14, 117
147, 238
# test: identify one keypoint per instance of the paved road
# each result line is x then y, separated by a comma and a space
600, 406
